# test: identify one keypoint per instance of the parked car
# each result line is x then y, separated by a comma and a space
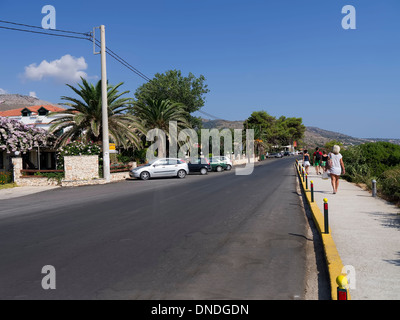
201, 165
275, 155
164, 167
217, 165
225, 160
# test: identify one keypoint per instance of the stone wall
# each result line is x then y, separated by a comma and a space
79, 171
29, 181
81, 167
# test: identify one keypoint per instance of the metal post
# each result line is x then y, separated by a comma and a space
326, 221
306, 181
312, 191
374, 188
104, 101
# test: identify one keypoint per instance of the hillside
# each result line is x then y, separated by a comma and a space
318, 137
313, 136
15, 101
222, 124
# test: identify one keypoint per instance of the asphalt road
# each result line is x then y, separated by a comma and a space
219, 236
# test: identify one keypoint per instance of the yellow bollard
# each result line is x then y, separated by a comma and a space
342, 283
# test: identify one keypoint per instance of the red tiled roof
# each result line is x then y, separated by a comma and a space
33, 109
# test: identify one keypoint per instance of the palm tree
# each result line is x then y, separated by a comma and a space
84, 117
157, 114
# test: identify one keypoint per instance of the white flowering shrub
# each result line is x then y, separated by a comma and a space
77, 148
16, 136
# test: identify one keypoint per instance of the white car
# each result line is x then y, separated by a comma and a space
225, 160
164, 167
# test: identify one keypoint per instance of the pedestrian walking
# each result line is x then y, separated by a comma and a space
317, 156
324, 160
306, 160
336, 167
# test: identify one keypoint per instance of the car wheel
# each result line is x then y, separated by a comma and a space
203, 171
181, 174
229, 167
219, 169
145, 175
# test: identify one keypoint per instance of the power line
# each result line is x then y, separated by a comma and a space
84, 36
45, 33
87, 36
36, 27
208, 115
124, 62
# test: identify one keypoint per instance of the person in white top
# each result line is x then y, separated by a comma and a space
336, 168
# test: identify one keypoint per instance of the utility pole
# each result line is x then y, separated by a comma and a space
104, 100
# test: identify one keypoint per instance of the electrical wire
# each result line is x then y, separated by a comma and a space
36, 27
123, 62
45, 33
84, 36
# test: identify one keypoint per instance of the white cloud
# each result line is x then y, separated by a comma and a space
32, 94
66, 69
2, 91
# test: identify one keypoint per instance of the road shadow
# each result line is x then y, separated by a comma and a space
396, 262
323, 279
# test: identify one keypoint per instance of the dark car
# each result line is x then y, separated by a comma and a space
217, 164
199, 165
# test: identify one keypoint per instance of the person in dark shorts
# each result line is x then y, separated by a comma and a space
306, 160
324, 160
317, 156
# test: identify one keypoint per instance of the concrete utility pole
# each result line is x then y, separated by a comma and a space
104, 100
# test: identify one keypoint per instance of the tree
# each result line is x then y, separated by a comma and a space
157, 114
329, 145
290, 129
282, 131
84, 118
171, 85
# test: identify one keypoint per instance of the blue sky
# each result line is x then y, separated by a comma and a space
287, 57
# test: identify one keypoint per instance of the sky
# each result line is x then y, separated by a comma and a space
287, 57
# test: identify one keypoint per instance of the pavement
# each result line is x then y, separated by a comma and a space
365, 230
22, 191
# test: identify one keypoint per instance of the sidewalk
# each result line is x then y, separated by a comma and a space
366, 232
22, 191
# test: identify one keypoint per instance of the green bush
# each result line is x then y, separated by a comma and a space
370, 160
389, 184
375, 160
5, 177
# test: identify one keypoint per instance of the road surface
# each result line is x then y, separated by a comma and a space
219, 236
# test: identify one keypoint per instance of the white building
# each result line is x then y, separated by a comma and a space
38, 117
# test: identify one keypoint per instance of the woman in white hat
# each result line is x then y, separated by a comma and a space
336, 167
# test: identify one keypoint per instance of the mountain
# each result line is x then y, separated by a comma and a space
318, 137
313, 136
15, 101
221, 124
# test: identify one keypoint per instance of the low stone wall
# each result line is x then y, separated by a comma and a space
243, 160
32, 181
81, 168
114, 177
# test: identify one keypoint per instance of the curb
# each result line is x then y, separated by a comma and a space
332, 257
